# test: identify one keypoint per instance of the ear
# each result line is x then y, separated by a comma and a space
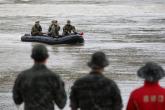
31, 56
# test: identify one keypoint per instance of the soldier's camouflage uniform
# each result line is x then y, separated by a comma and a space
95, 92
39, 89
54, 30
68, 29
36, 30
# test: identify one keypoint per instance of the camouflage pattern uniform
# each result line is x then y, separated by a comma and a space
36, 30
95, 92
68, 28
39, 88
54, 30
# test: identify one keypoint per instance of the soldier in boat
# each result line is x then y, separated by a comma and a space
68, 28
36, 29
54, 29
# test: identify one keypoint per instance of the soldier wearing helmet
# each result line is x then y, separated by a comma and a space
36, 29
54, 29
68, 28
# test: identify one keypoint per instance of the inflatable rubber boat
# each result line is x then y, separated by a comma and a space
70, 39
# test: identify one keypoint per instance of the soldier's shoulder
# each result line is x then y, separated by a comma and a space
65, 25
109, 81
53, 74
50, 25
73, 26
33, 26
81, 80
85, 79
23, 73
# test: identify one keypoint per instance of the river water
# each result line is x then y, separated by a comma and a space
130, 32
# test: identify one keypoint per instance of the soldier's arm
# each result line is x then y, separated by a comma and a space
40, 29
17, 96
49, 29
60, 97
73, 98
73, 29
64, 29
32, 30
116, 96
59, 28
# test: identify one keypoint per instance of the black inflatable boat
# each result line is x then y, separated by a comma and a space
70, 39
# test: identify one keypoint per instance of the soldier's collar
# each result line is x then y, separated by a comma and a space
39, 65
96, 73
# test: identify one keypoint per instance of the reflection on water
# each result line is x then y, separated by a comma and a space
129, 32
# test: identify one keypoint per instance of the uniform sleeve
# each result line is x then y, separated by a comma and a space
117, 103
131, 105
59, 28
64, 29
59, 93
32, 30
73, 98
73, 29
17, 97
40, 29
49, 29
35, 31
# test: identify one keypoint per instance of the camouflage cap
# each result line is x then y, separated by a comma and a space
68, 21
54, 21
151, 72
98, 60
39, 53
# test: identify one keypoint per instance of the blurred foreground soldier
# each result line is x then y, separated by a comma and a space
38, 87
95, 91
54, 29
68, 28
36, 29
151, 96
